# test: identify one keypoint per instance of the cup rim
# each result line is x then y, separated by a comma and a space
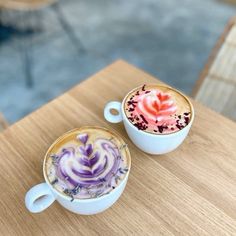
157, 134
123, 181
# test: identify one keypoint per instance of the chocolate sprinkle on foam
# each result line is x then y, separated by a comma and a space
54, 181
186, 120
143, 118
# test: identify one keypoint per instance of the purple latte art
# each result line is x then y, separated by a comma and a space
89, 166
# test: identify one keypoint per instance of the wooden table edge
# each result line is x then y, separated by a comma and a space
115, 63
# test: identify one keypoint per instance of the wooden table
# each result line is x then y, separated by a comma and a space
191, 191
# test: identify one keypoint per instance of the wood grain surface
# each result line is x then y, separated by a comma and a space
191, 191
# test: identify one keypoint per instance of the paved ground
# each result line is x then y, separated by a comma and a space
169, 39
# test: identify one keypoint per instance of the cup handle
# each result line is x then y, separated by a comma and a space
38, 198
109, 116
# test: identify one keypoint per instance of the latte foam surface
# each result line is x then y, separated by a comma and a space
157, 109
87, 163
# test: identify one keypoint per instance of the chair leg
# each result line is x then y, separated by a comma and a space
27, 52
0, 17
3, 123
68, 29
28, 65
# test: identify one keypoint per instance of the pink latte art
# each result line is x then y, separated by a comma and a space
157, 109
88, 163
156, 106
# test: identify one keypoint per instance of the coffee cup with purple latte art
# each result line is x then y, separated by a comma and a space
157, 117
86, 171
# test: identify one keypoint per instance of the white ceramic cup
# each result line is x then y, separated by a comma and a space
41, 196
148, 142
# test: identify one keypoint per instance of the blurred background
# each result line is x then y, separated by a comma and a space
47, 46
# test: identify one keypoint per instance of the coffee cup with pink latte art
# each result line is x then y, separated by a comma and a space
157, 118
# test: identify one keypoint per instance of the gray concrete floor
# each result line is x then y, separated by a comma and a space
170, 39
